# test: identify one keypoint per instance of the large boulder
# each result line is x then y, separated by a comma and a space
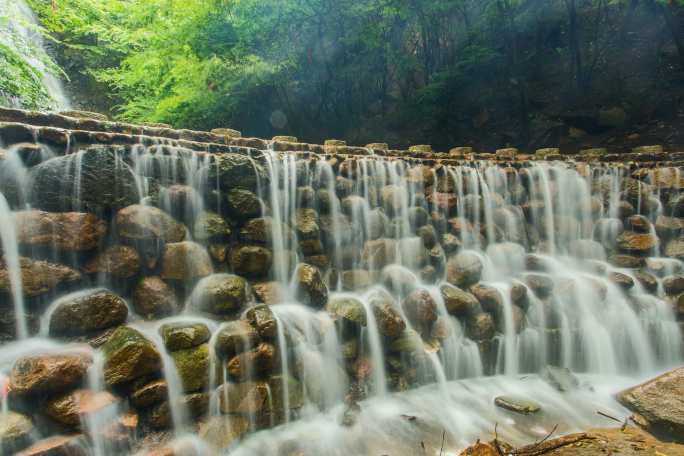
38, 277
95, 180
419, 306
185, 261
311, 289
192, 365
220, 294
659, 404
118, 261
15, 432
46, 374
139, 223
129, 355
458, 302
251, 260
237, 171
68, 231
84, 312
153, 298
464, 269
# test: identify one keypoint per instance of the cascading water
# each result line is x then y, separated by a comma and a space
22, 34
226, 292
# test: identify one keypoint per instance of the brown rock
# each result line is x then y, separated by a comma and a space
310, 286
44, 374
58, 445
420, 307
185, 261
38, 277
153, 298
258, 362
235, 337
84, 312
70, 409
251, 261
151, 393
636, 243
118, 261
659, 402
68, 231
147, 223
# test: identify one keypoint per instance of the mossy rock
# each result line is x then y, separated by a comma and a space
129, 355
182, 336
193, 367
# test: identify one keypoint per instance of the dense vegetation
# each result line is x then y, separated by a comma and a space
533, 71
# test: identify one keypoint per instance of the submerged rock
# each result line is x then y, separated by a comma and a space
128, 355
560, 378
517, 404
87, 311
659, 404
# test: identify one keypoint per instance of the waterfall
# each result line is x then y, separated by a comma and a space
376, 299
22, 34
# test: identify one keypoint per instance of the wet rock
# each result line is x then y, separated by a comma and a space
46, 374
626, 261
87, 311
560, 378
153, 298
636, 243
210, 226
306, 224
648, 281
622, 281
192, 365
147, 223
673, 285
541, 285
251, 261
254, 363
182, 336
658, 403
586, 249
481, 449
149, 394
419, 306
347, 308
409, 341
118, 261
464, 269
95, 180
235, 337
220, 294
311, 289
15, 432
263, 320
379, 253
518, 405
71, 408
458, 302
489, 297
675, 249
196, 404
232, 171
257, 231
70, 231
356, 279
669, 227
387, 316
38, 277
185, 261
268, 292
638, 224
58, 445
480, 327
244, 204
129, 355
398, 280
223, 431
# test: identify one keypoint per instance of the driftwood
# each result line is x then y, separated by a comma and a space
547, 446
